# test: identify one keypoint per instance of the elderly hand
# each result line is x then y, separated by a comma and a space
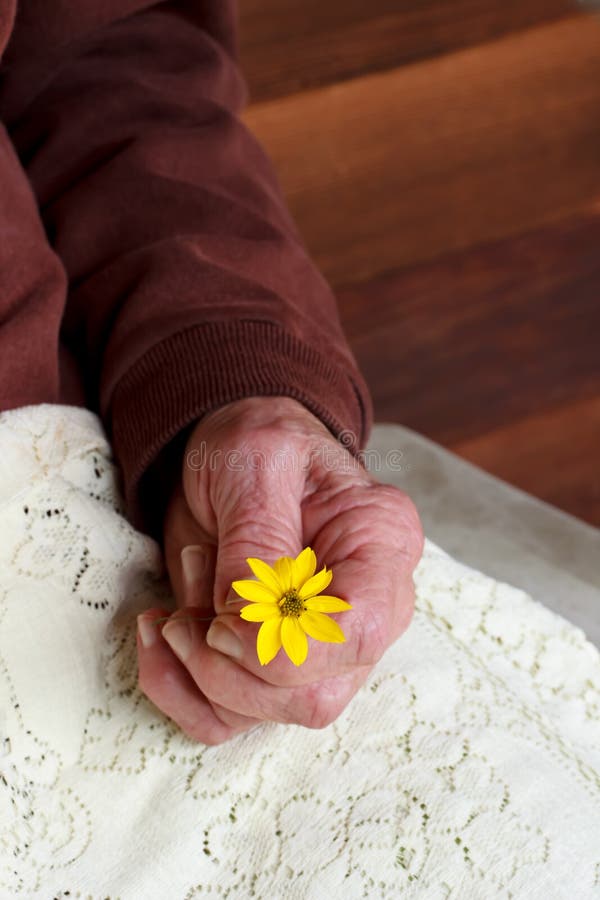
264, 478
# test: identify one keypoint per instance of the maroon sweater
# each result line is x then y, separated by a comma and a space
149, 268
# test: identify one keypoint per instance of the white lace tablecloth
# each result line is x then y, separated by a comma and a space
467, 767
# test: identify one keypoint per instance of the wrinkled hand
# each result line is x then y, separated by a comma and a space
264, 478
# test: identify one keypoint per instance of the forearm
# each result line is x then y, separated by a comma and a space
189, 286
32, 293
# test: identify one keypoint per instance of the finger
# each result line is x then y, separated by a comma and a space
168, 684
197, 563
372, 546
259, 517
190, 555
376, 620
227, 684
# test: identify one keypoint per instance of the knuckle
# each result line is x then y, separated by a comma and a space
315, 709
372, 636
406, 521
415, 534
248, 533
406, 609
258, 450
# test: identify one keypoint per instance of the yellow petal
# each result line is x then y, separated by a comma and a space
268, 640
266, 574
321, 628
259, 612
254, 591
316, 584
326, 604
294, 640
304, 566
284, 568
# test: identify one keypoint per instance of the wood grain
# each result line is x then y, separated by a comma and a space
292, 45
394, 168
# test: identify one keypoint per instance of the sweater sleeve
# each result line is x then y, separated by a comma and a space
188, 284
32, 293
32, 279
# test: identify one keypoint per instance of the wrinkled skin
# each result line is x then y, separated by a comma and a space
239, 507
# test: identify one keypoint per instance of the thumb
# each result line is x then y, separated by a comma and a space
264, 523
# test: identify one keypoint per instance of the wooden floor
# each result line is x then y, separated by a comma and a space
443, 164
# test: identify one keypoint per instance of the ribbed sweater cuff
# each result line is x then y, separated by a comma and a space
203, 368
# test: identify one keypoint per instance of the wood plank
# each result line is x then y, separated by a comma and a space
483, 338
395, 168
291, 45
554, 456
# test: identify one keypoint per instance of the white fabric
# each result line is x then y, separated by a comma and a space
467, 767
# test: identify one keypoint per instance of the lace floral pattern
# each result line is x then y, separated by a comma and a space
467, 767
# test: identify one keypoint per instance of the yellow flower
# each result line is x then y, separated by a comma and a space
285, 600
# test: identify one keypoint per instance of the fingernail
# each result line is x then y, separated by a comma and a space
232, 597
221, 638
178, 636
194, 559
147, 631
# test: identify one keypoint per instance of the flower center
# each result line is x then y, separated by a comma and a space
291, 604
